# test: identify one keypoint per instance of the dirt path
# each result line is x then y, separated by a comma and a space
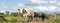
39, 21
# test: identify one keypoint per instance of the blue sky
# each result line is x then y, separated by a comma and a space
36, 5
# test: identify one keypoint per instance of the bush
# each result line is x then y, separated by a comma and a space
10, 18
22, 18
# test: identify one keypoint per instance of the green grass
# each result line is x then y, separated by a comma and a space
22, 18
12, 19
55, 21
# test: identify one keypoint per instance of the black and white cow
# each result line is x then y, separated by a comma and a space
40, 15
27, 12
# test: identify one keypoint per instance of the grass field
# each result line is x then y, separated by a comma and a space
39, 21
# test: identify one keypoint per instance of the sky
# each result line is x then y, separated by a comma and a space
48, 6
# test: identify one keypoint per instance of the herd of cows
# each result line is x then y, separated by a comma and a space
27, 12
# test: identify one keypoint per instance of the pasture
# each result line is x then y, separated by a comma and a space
12, 19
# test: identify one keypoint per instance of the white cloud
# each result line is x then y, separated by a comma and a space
34, 1
15, 7
52, 1
52, 8
2, 11
4, 7
45, 8
42, 8
58, 3
21, 5
43, 2
58, 9
38, 1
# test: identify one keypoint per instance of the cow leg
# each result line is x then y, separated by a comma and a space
47, 18
30, 18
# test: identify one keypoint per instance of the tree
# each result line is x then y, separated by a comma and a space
7, 12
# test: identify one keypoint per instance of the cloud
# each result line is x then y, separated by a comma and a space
15, 7
58, 3
2, 11
52, 8
38, 1
58, 9
52, 1
3, 7
46, 8
43, 8
21, 5
49, 8
34, 1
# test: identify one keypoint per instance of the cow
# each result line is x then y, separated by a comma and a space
40, 15
27, 12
